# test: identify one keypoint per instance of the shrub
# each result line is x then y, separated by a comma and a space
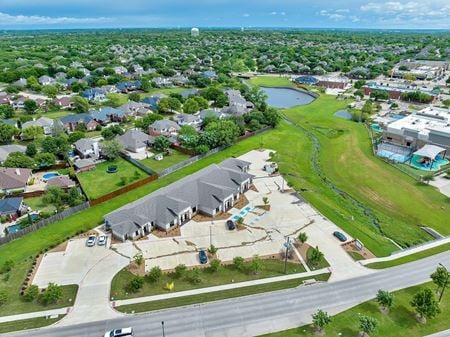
214, 265
7, 266
212, 249
52, 294
135, 284
194, 276
180, 270
31, 293
154, 274
239, 263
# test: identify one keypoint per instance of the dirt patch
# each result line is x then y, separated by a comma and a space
169, 234
264, 207
253, 188
60, 248
204, 218
86, 234
302, 248
135, 269
34, 270
350, 247
190, 243
243, 201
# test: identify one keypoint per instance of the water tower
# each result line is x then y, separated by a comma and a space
195, 32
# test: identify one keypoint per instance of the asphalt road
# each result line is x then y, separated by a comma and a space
258, 314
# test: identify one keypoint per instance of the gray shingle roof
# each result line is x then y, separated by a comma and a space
11, 178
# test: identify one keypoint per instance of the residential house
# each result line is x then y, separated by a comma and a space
161, 81
120, 70
135, 140
87, 148
61, 181
94, 95
153, 101
19, 103
14, 179
46, 80
126, 87
237, 105
21, 83
210, 191
188, 93
132, 108
210, 74
180, 80
107, 115
187, 119
46, 123
64, 103
82, 165
71, 122
307, 80
12, 207
6, 150
5, 98
215, 113
164, 127
109, 89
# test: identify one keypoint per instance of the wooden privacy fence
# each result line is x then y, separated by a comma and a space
123, 190
44, 222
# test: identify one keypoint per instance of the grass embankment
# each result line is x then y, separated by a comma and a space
15, 303
175, 157
26, 324
98, 182
217, 295
410, 258
400, 321
225, 275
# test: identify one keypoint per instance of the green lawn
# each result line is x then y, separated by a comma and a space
322, 263
270, 81
217, 295
410, 258
38, 204
25, 324
98, 182
225, 275
399, 322
175, 157
57, 114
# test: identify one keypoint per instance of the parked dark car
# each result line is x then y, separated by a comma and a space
341, 237
230, 224
203, 257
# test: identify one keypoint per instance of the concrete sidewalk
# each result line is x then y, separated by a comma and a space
445, 333
219, 288
407, 252
36, 314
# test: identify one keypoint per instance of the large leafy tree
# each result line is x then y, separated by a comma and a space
80, 104
111, 149
147, 120
162, 143
17, 159
7, 132
32, 132
59, 146
30, 106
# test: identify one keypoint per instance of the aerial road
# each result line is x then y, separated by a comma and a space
257, 314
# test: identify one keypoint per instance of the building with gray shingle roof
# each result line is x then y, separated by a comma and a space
135, 140
210, 191
13, 179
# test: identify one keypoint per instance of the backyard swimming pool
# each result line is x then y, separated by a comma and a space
433, 166
50, 175
286, 97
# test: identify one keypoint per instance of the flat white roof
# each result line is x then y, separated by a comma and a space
423, 121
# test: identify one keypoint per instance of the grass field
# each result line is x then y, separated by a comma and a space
25, 324
225, 275
98, 182
410, 258
38, 204
270, 81
216, 295
175, 157
399, 322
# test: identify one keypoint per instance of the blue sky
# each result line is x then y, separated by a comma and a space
412, 14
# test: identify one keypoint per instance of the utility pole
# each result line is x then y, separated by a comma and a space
445, 284
287, 245
163, 332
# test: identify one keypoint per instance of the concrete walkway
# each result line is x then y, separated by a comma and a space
219, 288
36, 314
407, 252
445, 333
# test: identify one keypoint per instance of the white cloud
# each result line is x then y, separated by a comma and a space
283, 13
6, 19
332, 15
245, 15
342, 10
273, 13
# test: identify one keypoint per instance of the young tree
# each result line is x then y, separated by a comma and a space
111, 149
320, 320
239, 263
367, 325
135, 284
302, 237
214, 265
30, 106
52, 294
440, 278
315, 256
134, 96
154, 274
32, 132
31, 150
425, 305
80, 104
255, 265
138, 259
161, 144
180, 270
7, 132
194, 276
31, 293
385, 299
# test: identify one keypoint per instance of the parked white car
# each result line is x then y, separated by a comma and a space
124, 332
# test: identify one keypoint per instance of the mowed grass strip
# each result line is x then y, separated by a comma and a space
410, 258
217, 295
400, 322
26, 324
225, 275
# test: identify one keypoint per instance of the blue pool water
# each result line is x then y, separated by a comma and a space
376, 128
49, 176
13, 229
286, 97
395, 116
433, 166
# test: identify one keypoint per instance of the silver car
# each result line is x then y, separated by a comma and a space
91, 241
101, 241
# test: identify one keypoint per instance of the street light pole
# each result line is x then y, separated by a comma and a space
162, 325
445, 284
286, 255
